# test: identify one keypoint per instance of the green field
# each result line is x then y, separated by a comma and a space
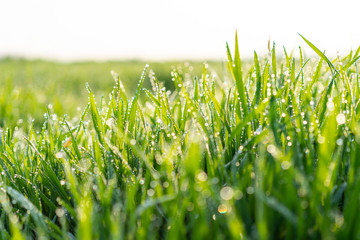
34, 84
267, 148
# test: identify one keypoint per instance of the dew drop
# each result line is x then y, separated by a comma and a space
222, 208
340, 118
226, 193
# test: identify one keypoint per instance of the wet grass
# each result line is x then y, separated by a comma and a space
267, 151
29, 86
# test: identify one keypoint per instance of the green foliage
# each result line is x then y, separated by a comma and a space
272, 154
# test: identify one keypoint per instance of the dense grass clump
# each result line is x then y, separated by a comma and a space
271, 153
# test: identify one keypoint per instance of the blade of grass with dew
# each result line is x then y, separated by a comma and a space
133, 108
95, 116
273, 64
322, 55
258, 80
235, 67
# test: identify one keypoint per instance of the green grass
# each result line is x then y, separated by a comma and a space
33, 85
267, 150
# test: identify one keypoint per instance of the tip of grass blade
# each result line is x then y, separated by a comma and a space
88, 87
320, 53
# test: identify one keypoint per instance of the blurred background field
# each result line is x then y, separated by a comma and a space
29, 87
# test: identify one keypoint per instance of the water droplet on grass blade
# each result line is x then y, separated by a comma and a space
59, 155
222, 208
271, 149
341, 119
330, 105
285, 165
59, 212
150, 192
321, 139
250, 190
202, 176
226, 193
339, 142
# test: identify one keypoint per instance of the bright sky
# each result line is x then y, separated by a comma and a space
171, 29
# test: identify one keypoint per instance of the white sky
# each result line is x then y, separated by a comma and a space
172, 29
